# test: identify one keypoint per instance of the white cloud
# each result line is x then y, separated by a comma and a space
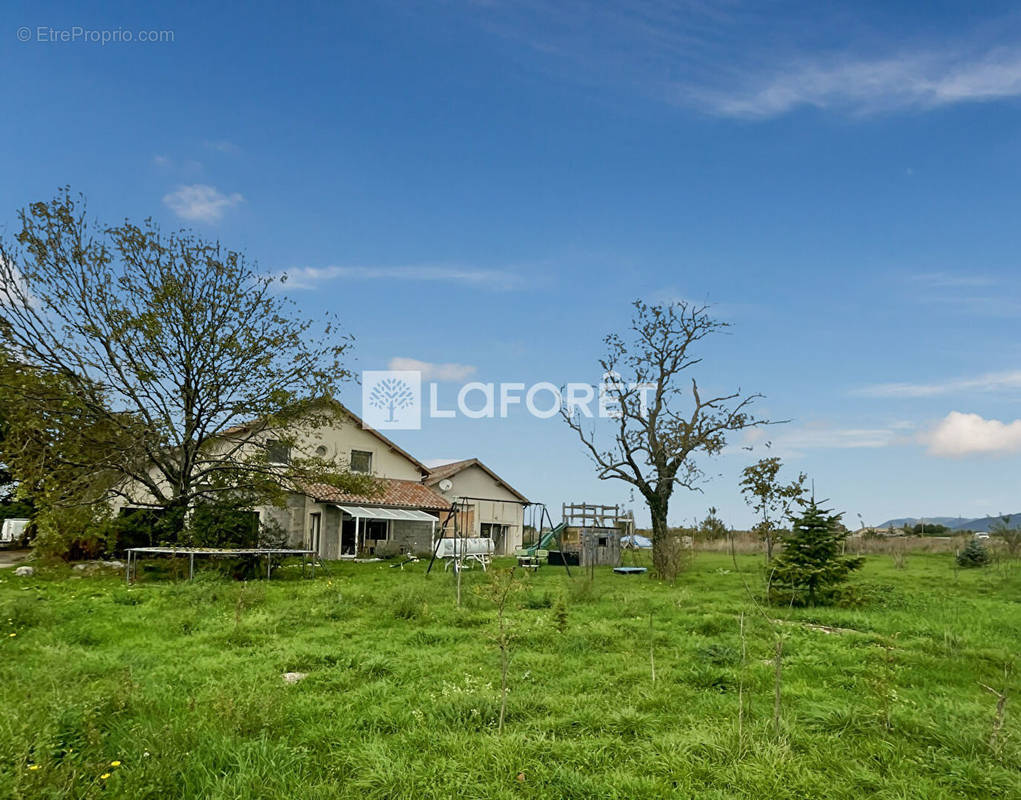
952, 280
989, 382
826, 437
793, 440
988, 306
960, 434
200, 202
748, 61
13, 291
311, 277
921, 80
434, 372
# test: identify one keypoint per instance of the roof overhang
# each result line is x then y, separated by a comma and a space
378, 512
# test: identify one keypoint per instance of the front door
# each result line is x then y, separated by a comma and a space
348, 537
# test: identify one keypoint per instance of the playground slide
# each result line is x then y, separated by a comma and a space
546, 540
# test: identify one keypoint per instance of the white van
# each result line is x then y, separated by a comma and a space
12, 530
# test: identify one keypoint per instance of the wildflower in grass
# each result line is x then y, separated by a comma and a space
33, 766
12, 635
104, 776
115, 763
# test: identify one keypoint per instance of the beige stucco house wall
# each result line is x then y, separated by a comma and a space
313, 518
492, 507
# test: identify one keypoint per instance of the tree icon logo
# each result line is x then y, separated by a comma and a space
391, 395
391, 399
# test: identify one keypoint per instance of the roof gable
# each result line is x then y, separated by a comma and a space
347, 412
443, 471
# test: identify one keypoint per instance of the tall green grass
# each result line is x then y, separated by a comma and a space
182, 684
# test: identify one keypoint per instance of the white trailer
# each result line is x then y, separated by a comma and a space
457, 551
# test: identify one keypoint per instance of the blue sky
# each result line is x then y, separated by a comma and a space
489, 184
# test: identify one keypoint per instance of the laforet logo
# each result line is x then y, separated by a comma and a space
392, 399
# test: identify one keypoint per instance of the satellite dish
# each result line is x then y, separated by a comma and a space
446, 485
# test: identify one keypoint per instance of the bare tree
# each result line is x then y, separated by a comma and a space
178, 349
663, 421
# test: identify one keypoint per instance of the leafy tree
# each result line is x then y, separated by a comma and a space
663, 421
7, 484
974, 554
927, 529
11, 505
811, 564
185, 360
771, 499
1009, 534
53, 444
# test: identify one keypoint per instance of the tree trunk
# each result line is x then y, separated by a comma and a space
173, 522
662, 560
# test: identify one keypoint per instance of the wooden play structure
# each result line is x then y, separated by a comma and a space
589, 535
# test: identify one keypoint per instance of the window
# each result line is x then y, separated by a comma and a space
604, 541
361, 461
376, 529
277, 452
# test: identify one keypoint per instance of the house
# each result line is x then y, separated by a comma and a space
487, 505
413, 507
406, 513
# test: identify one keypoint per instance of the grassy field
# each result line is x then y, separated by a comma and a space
175, 689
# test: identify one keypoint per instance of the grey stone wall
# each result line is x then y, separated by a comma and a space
331, 531
290, 518
409, 536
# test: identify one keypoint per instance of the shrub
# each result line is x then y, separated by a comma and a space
409, 604
74, 534
673, 553
560, 615
1009, 534
811, 565
536, 601
711, 529
863, 595
974, 554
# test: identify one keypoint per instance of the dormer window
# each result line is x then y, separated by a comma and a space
361, 461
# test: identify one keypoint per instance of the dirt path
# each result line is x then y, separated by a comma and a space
11, 558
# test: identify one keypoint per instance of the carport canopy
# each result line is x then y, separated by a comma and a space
377, 512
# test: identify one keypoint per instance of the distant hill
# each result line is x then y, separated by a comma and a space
986, 523
978, 524
900, 522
